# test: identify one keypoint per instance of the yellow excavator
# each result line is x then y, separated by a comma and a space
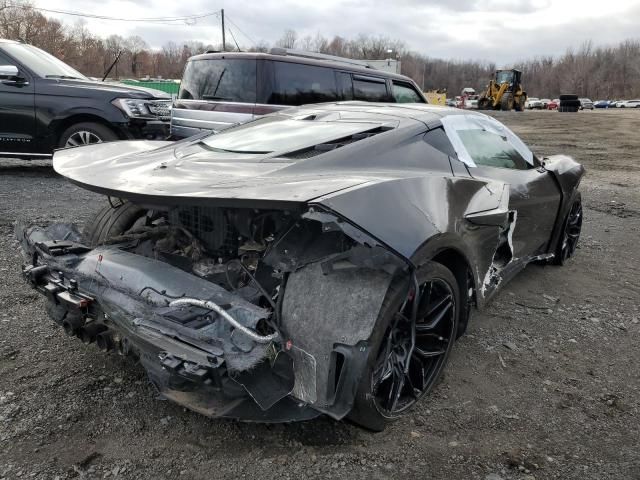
504, 92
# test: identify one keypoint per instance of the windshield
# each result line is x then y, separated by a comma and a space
40, 62
271, 134
503, 77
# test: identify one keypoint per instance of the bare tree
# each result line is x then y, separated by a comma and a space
288, 39
588, 70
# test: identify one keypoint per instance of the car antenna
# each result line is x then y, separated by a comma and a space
106, 74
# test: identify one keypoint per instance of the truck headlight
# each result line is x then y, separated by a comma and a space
141, 108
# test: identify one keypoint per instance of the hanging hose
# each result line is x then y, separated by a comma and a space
256, 337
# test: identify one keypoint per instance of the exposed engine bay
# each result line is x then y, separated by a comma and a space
241, 312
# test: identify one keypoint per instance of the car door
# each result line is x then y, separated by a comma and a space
17, 109
493, 152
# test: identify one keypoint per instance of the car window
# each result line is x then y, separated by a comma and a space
491, 150
370, 90
482, 140
438, 139
403, 93
227, 80
40, 62
4, 60
298, 84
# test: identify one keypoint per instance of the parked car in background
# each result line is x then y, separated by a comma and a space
533, 102
45, 104
618, 103
630, 104
221, 89
471, 102
545, 102
601, 104
586, 104
451, 102
553, 104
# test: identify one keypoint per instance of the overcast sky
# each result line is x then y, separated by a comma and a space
500, 31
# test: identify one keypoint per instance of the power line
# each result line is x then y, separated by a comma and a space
234, 38
185, 18
240, 30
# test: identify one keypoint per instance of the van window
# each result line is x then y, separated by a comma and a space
298, 84
404, 93
369, 90
225, 80
345, 85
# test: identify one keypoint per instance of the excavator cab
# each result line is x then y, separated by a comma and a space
504, 92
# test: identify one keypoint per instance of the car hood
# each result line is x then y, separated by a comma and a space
113, 89
170, 172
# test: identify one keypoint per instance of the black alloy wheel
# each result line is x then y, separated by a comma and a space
411, 356
571, 233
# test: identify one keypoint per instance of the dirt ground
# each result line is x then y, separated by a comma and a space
544, 385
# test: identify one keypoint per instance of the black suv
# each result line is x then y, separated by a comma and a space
45, 104
221, 89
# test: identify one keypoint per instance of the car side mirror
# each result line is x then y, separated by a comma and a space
9, 76
9, 71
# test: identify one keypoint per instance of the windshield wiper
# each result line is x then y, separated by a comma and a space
69, 77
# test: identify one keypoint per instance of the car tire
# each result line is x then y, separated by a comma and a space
86, 133
571, 228
110, 221
367, 410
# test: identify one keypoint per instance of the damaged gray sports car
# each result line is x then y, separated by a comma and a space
320, 260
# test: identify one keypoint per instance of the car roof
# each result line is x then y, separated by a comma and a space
6, 40
302, 60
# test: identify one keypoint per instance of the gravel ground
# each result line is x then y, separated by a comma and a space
544, 385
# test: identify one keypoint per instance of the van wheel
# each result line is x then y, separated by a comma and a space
86, 133
397, 375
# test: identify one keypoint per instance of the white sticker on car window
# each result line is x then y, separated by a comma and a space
454, 123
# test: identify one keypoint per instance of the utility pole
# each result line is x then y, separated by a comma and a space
224, 43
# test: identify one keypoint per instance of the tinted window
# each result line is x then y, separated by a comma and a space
345, 86
4, 60
492, 150
226, 80
40, 62
297, 84
438, 139
369, 90
403, 93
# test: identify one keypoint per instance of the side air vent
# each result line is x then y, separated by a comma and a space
326, 147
